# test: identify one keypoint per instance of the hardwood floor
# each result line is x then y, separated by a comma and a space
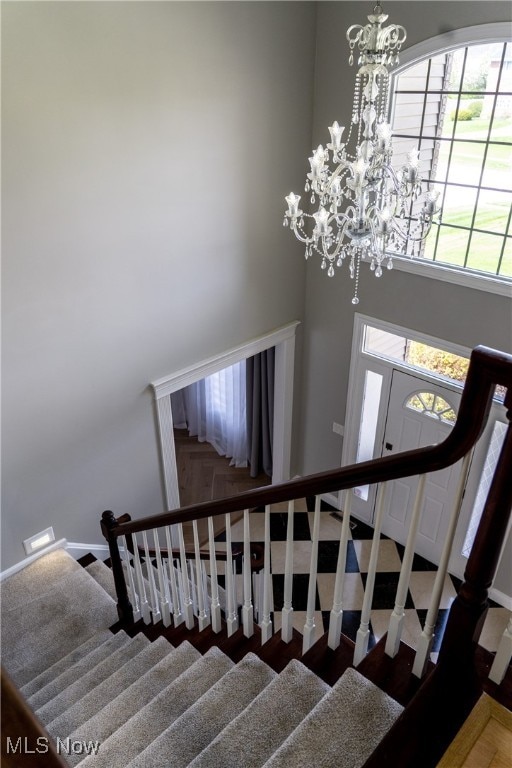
485, 739
203, 475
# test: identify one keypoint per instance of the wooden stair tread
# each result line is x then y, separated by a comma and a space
393, 675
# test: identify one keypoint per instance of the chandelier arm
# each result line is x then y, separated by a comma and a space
410, 236
303, 238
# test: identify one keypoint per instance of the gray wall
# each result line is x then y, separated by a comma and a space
114, 115
451, 312
147, 148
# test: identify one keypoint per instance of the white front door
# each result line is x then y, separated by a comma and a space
420, 413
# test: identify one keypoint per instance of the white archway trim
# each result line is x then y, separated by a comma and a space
283, 339
455, 38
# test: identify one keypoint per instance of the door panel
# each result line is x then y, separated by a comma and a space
420, 414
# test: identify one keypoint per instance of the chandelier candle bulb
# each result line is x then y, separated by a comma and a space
365, 206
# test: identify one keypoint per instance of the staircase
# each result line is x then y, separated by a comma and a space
182, 666
114, 700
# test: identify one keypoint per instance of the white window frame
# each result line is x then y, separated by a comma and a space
449, 41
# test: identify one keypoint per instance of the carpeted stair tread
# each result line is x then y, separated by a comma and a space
37, 579
42, 631
60, 666
102, 574
113, 685
144, 727
135, 697
342, 730
265, 724
91, 679
70, 675
196, 727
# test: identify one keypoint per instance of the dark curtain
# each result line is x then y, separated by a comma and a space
260, 411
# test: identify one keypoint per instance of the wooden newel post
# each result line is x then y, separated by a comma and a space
124, 606
469, 608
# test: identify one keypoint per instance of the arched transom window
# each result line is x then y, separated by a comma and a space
432, 405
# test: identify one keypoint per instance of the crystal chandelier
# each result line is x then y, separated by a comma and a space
367, 209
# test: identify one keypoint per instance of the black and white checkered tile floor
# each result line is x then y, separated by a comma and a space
358, 555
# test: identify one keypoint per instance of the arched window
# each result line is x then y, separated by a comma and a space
433, 406
455, 105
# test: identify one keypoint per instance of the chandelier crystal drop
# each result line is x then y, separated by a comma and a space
367, 210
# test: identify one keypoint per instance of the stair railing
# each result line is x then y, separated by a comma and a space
198, 587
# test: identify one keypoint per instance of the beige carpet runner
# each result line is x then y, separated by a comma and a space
119, 702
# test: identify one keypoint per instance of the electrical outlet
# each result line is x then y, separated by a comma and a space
39, 541
338, 429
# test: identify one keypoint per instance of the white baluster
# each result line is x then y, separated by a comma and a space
232, 617
150, 572
336, 617
503, 656
132, 592
176, 606
363, 633
309, 626
427, 635
247, 610
256, 591
287, 614
188, 608
397, 617
201, 613
141, 584
163, 585
266, 623
215, 606
204, 587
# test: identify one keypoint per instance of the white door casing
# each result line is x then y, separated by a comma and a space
283, 339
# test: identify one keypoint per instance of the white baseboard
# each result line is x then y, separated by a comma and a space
78, 550
60, 544
75, 549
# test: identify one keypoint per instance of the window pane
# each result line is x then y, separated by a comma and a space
484, 253
443, 156
478, 62
501, 125
498, 167
456, 70
466, 163
368, 426
379, 342
493, 210
470, 127
452, 245
458, 206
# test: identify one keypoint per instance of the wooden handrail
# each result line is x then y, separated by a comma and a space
24, 740
487, 369
429, 723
